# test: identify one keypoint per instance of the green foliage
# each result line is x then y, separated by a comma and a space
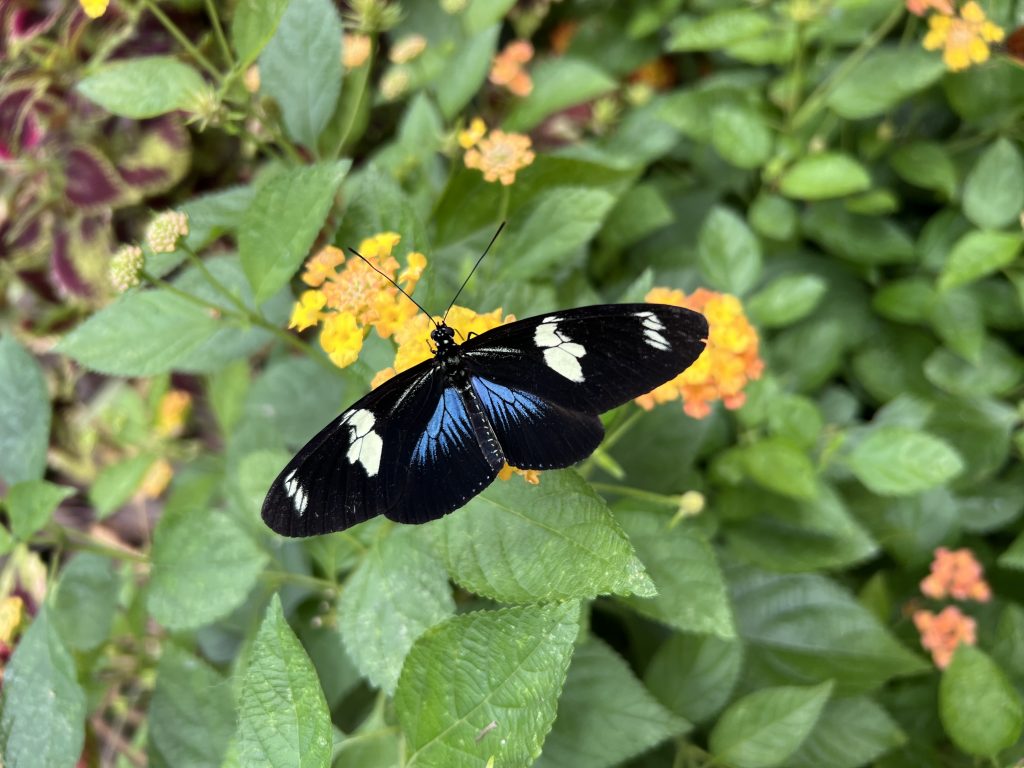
742, 589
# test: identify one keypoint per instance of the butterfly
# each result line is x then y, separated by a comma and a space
527, 393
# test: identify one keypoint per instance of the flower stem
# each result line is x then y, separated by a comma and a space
185, 43
637, 493
218, 30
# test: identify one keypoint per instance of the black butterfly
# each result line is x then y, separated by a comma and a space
527, 393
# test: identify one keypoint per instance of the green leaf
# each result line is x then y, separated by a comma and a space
144, 86
695, 675
605, 716
115, 484
994, 189
978, 254
24, 414
906, 300
43, 708
870, 240
791, 535
467, 69
850, 733
253, 26
31, 504
718, 30
896, 461
557, 83
786, 300
824, 175
739, 134
225, 392
283, 221
1013, 557
641, 211
478, 669
691, 592
908, 527
204, 565
779, 465
773, 216
554, 227
804, 628
141, 334
301, 67
997, 371
765, 727
192, 713
729, 253
883, 79
397, 592
927, 165
283, 718
86, 600
512, 543
980, 710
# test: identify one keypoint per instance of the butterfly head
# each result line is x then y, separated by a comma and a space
444, 337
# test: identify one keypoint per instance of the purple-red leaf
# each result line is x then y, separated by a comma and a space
92, 182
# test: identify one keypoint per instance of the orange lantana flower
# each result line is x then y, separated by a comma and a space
918, 7
943, 633
507, 69
956, 574
500, 156
355, 50
172, 412
725, 367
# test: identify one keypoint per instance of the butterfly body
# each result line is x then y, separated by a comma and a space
528, 394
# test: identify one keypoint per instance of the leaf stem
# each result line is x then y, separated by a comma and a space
637, 493
185, 43
816, 100
218, 30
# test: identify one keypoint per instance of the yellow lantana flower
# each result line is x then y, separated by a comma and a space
350, 296
472, 135
728, 363
94, 8
172, 412
500, 156
964, 38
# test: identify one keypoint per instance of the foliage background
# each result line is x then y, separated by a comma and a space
809, 157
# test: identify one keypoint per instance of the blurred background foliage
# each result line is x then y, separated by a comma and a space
805, 551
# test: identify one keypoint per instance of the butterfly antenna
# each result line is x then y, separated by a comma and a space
500, 227
410, 298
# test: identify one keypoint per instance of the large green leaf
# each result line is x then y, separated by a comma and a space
897, 461
695, 675
86, 600
144, 86
204, 565
764, 728
882, 79
981, 711
740, 135
557, 83
691, 592
24, 414
283, 221
978, 254
397, 592
824, 175
192, 713
514, 541
803, 628
31, 504
301, 67
729, 254
926, 164
42, 717
850, 733
994, 189
141, 334
283, 719
485, 684
253, 26
605, 716
786, 300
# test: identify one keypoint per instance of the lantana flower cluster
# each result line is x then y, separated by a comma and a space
963, 34
958, 575
498, 155
730, 361
346, 296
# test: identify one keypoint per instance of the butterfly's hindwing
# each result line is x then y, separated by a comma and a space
535, 433
590, 359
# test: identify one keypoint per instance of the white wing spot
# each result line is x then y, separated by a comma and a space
561, 355
366, 444
294, 492
652, 331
